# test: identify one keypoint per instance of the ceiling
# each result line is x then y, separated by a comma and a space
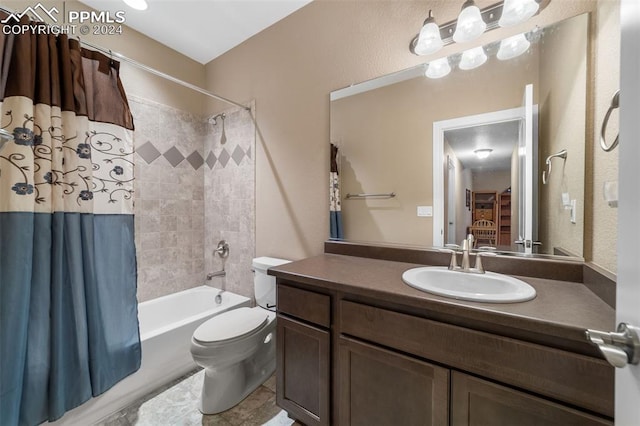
202, 29
502, 138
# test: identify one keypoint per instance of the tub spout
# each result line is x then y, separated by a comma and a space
211, 275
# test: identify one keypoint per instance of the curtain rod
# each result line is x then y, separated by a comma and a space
161, 74
152, 70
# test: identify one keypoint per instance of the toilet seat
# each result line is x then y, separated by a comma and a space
231, 325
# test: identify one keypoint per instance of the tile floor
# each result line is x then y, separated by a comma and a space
177, 405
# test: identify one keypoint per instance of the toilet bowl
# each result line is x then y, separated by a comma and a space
237, 348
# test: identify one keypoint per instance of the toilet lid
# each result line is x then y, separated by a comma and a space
231, 325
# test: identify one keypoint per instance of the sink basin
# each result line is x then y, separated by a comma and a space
488, 287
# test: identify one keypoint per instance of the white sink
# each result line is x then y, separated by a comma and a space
488, 287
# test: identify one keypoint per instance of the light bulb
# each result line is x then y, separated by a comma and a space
429, 40
470, 24
512, 47
137, 4
438, 68
517, 11
472, 58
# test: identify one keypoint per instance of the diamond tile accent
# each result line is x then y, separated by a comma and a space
238, 155
195, 159
249, 152
211, 159
173, 156
224, 157
148, 152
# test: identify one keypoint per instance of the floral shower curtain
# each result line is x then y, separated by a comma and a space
68, 310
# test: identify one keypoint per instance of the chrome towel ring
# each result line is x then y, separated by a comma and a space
615, 103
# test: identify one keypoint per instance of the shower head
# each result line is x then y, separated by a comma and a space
213, 119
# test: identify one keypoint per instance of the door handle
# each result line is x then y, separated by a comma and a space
619, 348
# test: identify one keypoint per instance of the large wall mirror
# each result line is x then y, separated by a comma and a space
469, 149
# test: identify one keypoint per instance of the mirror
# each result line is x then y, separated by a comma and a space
413, 137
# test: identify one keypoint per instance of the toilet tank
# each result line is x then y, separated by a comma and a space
264, 286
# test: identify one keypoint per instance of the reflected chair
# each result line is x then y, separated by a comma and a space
484, 231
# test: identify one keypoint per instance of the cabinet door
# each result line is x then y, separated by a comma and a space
302, 374
479, 402
380, 387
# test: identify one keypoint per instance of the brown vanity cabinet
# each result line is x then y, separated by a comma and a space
303, 351
381, 387
348, 360
479, 402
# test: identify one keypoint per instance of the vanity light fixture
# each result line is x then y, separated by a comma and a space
470, 24
517, 11
512, 47
137, 4
438, 68
483, 153
429, 40
467, 24
472, 58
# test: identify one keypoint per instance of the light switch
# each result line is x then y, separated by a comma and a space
425, 211
573, 211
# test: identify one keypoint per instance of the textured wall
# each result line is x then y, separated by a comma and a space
289, 70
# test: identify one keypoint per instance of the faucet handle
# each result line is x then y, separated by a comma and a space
452, 246
453, 264
479, 255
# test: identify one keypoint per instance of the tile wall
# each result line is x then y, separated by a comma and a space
182, 171
229, 182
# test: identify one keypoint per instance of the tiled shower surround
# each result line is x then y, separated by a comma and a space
182, 170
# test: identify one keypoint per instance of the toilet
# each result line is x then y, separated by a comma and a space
236, 349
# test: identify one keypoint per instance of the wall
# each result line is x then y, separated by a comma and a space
562, 104
229, 212
169, 198
601, 221
497, 180
290, 68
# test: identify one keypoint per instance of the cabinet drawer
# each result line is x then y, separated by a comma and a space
305, 305
547, 371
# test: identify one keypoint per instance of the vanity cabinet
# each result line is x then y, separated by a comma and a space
479, 402
382, 387
303, 351
352, 359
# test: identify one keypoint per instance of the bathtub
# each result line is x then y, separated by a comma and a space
166, 326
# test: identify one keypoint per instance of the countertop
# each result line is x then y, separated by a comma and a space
557, 317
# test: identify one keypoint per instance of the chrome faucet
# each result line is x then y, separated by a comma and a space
465, 248
212, 275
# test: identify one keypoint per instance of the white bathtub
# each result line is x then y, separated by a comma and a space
166, 326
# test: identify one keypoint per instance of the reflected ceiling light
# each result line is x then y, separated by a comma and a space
137, 4
483, 153
438, 68
472, 58
429, 40
517, 11
470, 24
512, 47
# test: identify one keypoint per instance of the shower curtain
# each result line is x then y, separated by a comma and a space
68, 309
335, 213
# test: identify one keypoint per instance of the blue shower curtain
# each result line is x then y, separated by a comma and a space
68, 309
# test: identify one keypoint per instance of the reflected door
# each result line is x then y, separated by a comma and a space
527, 175
451, 203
